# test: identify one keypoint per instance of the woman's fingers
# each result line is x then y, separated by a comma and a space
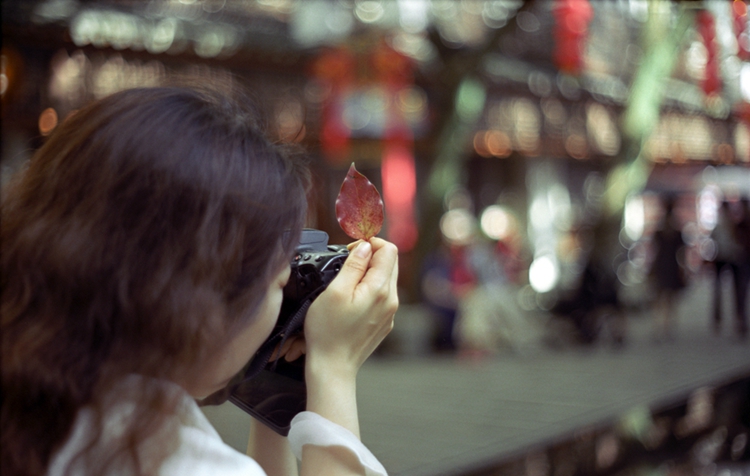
384, 260
355, 267
292, 349
296, 349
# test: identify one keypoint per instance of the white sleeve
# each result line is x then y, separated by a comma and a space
200, 454
309, 428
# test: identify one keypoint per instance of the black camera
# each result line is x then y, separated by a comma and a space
271, 389
314, 266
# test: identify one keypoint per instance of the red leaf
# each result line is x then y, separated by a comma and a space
359, 208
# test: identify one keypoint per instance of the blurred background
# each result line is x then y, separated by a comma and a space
532, 156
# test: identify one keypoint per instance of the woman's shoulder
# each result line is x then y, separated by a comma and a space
199, 450
193, 445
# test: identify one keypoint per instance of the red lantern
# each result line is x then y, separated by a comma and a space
572, 18
336, 69
399, 192
707, 29
391, 68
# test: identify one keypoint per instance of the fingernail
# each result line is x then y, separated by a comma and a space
363, 249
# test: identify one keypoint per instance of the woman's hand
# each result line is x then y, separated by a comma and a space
354, 314
349, 299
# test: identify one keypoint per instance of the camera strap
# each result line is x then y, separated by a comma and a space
276, 342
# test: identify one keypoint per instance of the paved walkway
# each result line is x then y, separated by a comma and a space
427, 416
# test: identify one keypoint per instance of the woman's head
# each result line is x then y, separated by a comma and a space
141, 236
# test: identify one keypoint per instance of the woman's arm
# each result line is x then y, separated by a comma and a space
343, 327
271, 451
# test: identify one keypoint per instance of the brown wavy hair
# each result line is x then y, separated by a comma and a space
139, 238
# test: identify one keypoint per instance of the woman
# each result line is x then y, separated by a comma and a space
144, 252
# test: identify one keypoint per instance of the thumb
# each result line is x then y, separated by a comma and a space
355, 265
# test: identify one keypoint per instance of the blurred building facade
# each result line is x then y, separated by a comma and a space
519, 124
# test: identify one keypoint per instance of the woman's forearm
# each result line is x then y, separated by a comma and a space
332, 394
271, 451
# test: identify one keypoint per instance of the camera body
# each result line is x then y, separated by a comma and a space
313, 267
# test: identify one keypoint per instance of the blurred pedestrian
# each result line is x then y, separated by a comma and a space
729, 259
601, 283
489, 319
594, 307
667, 273
440, 297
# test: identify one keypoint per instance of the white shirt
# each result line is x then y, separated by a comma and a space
199, 449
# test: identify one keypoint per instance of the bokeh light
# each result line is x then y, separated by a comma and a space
708, 203
497, 222
47, 121
289, 114
458, 226
634, 217
544, 273
369, 11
